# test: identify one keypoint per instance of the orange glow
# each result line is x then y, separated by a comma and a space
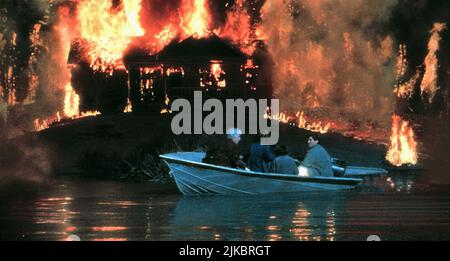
87, 114
164, 38
250, 64
129, 107
406, 90
108, 29
71, 229
403, 147
238, 28
195, 19
167, 108
217, 73
312, 126
71, 102
108, 229
173, 70
301, 122
110, 239
42, 124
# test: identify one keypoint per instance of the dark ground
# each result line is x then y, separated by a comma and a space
108, 147
122, 135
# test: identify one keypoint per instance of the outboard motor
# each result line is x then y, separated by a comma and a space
339, 167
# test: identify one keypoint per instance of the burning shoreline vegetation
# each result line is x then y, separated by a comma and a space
334, 64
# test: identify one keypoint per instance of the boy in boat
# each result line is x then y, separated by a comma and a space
317, 161
224, 150
259, 157
283, 163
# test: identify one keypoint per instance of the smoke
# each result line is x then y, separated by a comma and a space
332, 54
3, 113
23, 162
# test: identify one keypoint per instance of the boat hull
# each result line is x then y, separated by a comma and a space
194, 177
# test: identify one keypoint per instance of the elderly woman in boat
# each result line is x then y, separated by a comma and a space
317, 161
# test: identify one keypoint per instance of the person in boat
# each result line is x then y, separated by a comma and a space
259, 157
224, 150
283, 163
317, 161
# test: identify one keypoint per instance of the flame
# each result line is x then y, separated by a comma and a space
429, 82
314, 126
109, 29
40, 125
217, 72
43, 124
129, 107
71, 102
166, 109
173, 70
403, 147
238, 28
406, 90
197, 21
71, 111
301, 122
163, 38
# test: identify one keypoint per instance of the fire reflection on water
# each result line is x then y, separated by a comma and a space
108, 222
111, 212
56, 214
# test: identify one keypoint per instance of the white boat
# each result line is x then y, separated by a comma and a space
194, 177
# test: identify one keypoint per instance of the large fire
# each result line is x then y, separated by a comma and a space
109, 29
403, 146
195, 19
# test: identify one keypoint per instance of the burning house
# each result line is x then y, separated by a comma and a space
210, 64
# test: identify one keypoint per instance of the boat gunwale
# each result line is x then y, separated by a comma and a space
327, 180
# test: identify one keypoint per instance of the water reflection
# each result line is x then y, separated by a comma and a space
392, 207
95, 211
395, 182
271, 217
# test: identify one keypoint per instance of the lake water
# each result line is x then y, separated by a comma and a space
393, 208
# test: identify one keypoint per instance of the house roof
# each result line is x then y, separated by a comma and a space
191, 49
